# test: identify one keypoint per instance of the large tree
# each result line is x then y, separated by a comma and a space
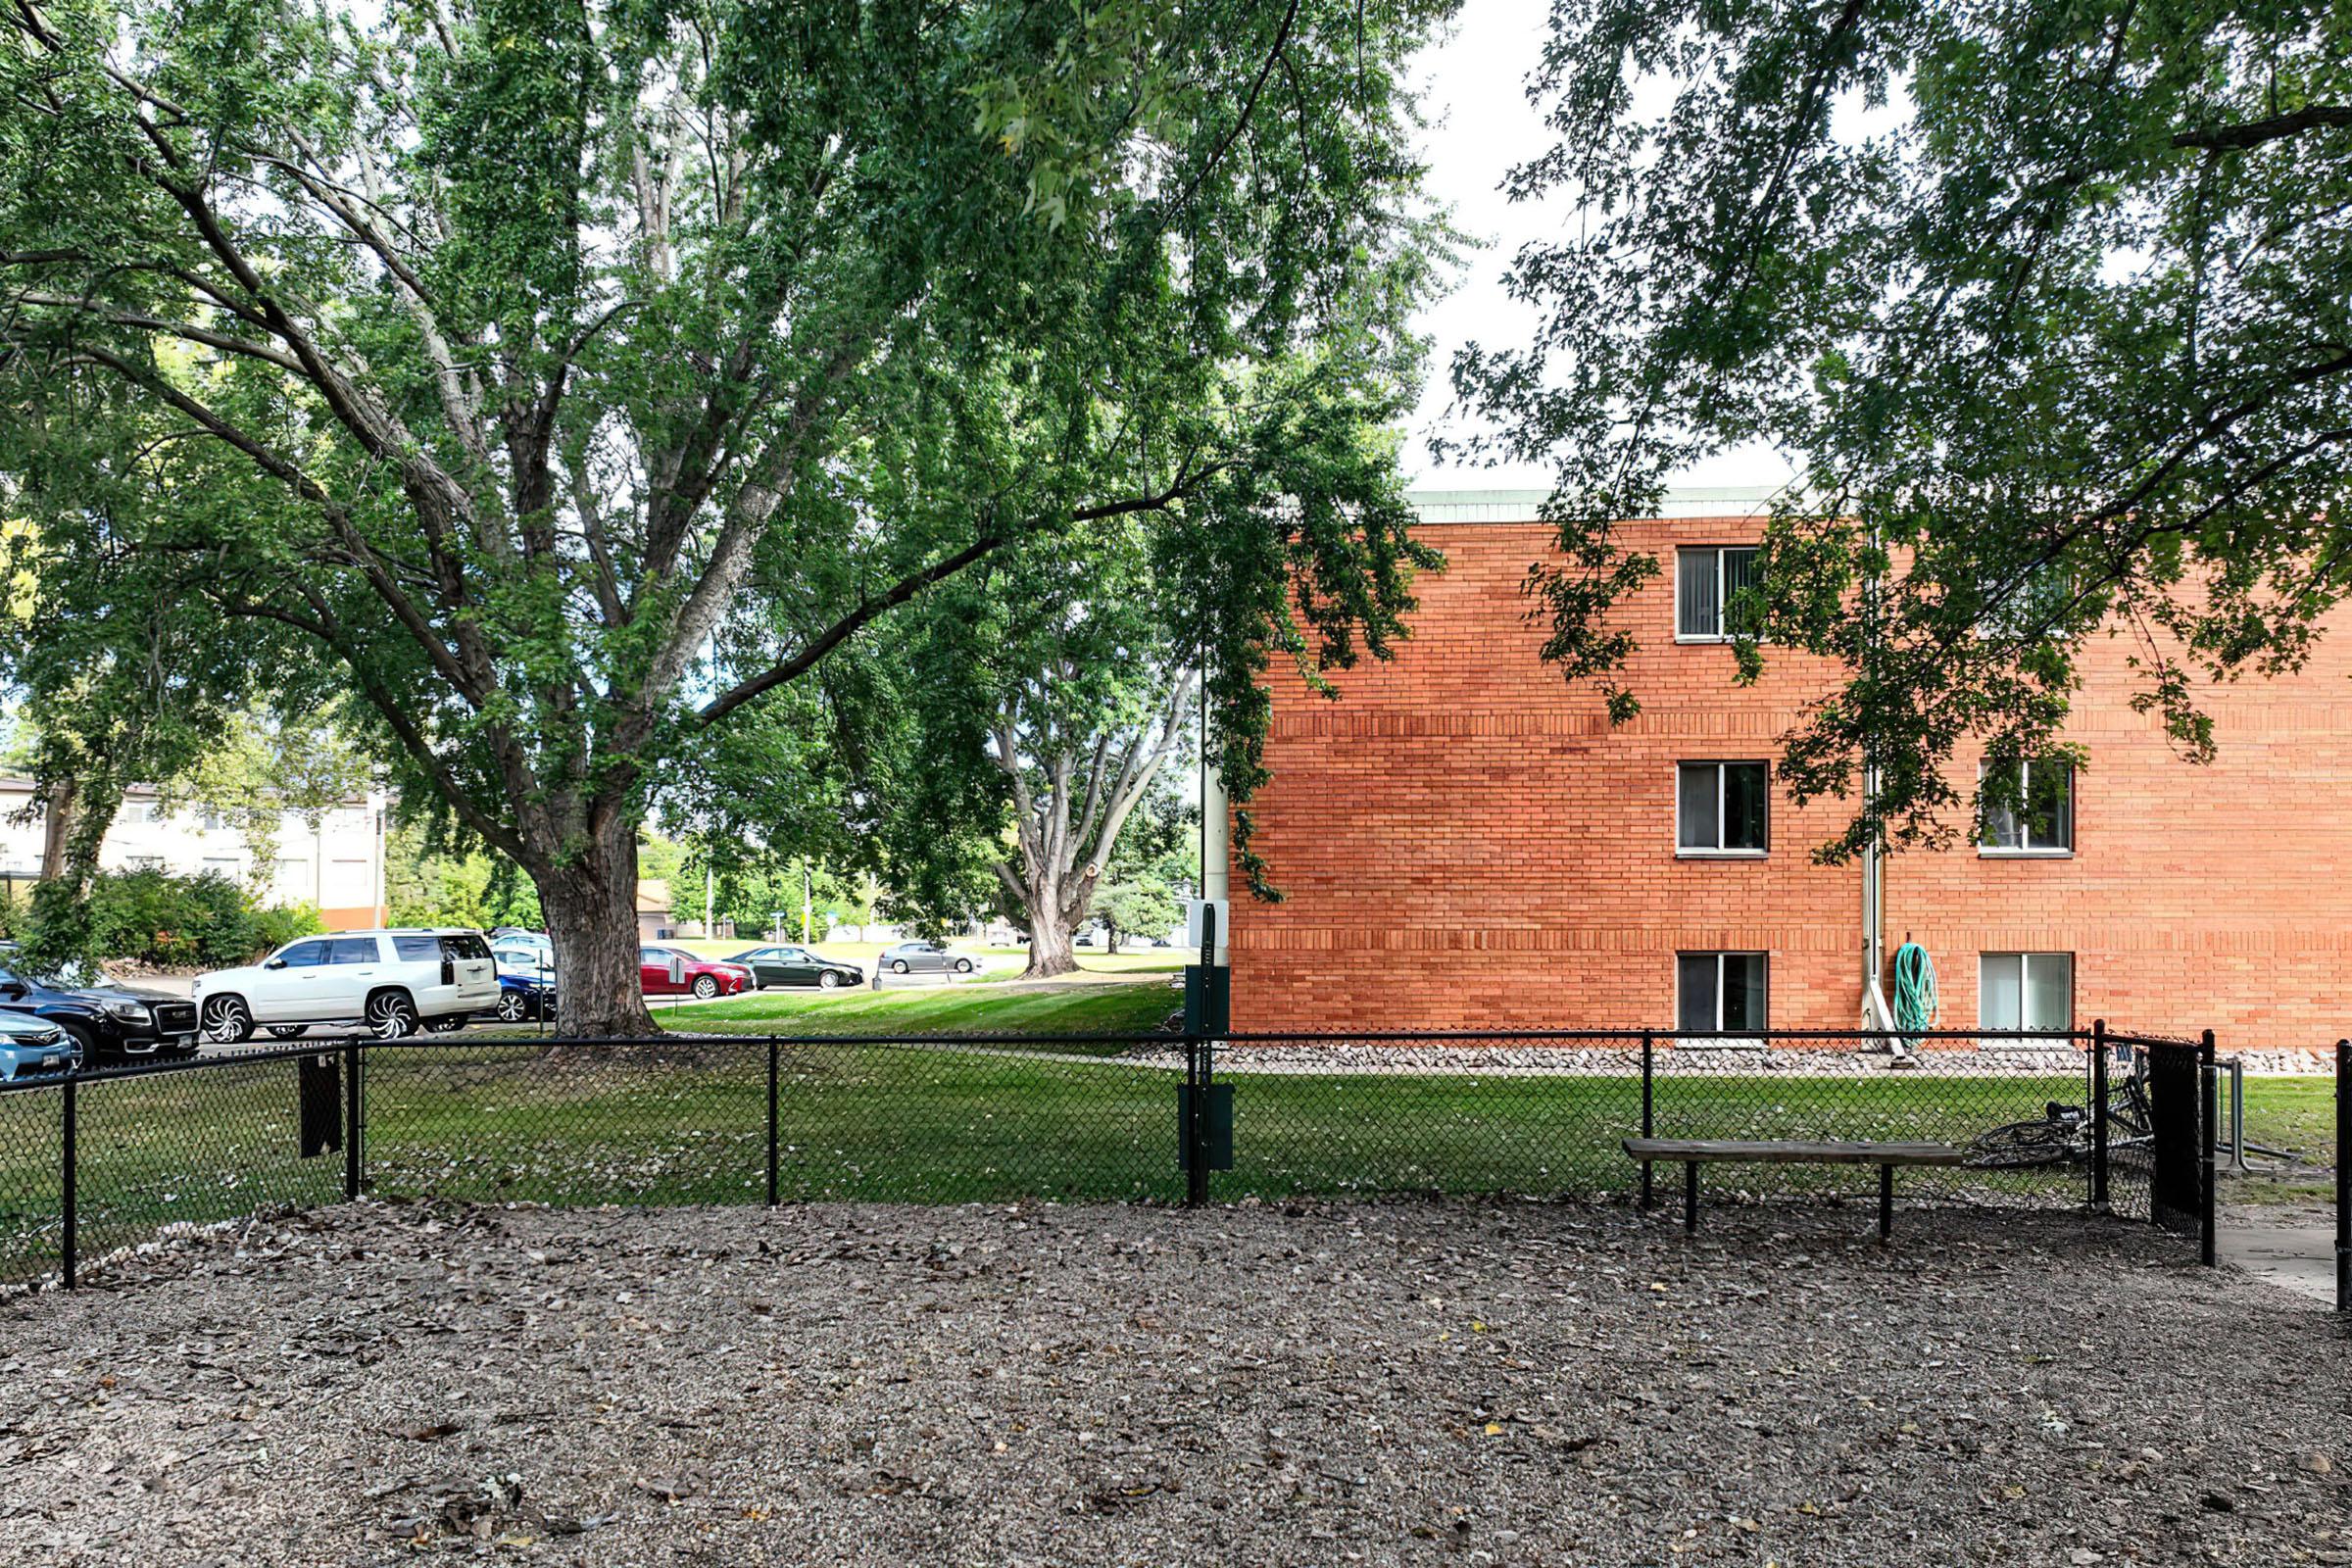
574, 378
2050, 302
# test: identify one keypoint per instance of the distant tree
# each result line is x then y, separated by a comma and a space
2048, 300
1048, 693
1154, 867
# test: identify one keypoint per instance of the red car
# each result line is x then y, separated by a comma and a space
674, 972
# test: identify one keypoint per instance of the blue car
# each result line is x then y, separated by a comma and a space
523, 996
32, 1048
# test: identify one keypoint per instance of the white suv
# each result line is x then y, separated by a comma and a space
395, 982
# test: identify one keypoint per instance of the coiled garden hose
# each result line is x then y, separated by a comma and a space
1914, 991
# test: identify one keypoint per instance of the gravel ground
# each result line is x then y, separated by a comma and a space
1307, 1385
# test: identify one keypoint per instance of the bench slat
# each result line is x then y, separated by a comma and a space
1760, 1151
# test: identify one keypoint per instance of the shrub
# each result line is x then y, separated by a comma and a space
158, 918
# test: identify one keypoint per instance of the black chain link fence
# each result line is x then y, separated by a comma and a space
112, 1157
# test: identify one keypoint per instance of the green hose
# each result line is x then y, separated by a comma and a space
1914, 992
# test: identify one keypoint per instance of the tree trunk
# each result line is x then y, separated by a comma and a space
57, 829
590, 902
1050, 951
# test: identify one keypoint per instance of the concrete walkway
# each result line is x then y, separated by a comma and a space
2289, 1248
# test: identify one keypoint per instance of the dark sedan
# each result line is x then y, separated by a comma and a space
104, 1021
797, 966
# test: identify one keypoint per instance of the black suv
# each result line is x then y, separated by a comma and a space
104, 1021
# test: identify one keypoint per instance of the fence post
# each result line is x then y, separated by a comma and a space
69, 1160
2343, 1178
2098, 1115
1649, 1046
771, 1121
2210, 1079
351, 1103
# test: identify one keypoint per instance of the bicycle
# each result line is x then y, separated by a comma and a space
2066, 1134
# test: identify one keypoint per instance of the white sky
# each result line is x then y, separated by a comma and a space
1481, 124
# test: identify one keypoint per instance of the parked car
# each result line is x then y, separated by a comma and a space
525, 954
675, 972
924, 958
797, 966
524, 996
101, 1021
32, 1048
395, 982
1084, 939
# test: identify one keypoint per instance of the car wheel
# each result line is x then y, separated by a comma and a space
80, 1050
898, 967
828, 981
227, 1022
963, 966
392, 1015
705, 987
448, 1023
285, 1031
511, 1009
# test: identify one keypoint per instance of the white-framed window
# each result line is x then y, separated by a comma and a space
137, 814
226, 864
2026, 991
2025, 608
2043, 820
144, 863
1705, 580
1721, 808
1720, 991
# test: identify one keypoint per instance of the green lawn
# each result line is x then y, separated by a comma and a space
1065, 1008
949, 1122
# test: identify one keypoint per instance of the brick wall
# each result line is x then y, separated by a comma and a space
1464, 841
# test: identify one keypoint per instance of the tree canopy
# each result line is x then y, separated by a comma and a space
571, 383
2051, 304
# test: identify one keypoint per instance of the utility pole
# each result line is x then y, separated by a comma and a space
808, 904
709, 882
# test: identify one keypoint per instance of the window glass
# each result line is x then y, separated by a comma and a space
1695, 975
1744, 991
416, 950
652, 956
2049, 991
1697, 795
1739, 571
1697, 612
305, 954
353, 949
465, 945
2000, 994
1745, 809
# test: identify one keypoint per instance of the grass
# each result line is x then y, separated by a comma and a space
944, 1122
1086, 1008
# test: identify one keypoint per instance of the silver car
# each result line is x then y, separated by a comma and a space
924, 958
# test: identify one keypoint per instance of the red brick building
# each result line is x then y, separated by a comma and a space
1465, 841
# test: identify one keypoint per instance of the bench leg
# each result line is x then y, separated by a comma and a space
1689, 1194
1886, 1200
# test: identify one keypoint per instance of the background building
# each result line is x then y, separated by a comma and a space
1464, 841
337, 866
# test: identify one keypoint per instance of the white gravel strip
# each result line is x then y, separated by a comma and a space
1375, 1383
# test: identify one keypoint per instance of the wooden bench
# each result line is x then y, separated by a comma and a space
1696, 1151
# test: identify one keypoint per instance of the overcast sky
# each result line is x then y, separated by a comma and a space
1482, 123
